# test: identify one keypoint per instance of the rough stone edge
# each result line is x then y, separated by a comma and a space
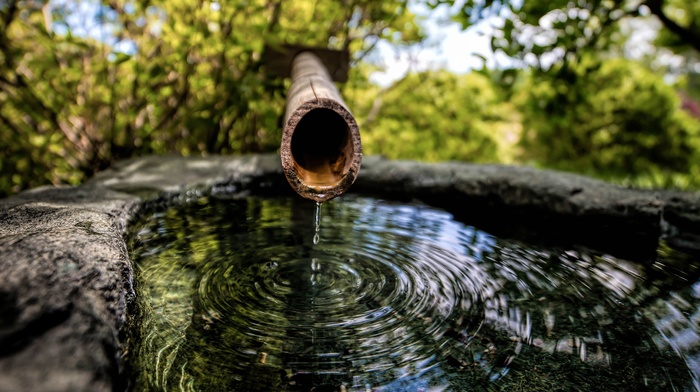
65, 275
66, 279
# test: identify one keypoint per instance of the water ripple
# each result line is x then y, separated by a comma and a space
379, 308
239, 295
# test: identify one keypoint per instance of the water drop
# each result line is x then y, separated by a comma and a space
317, 235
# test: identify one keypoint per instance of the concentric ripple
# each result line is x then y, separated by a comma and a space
353, 312
237, 295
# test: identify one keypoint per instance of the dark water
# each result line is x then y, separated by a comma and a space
235, 296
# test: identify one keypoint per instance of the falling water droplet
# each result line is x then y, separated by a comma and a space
317, 230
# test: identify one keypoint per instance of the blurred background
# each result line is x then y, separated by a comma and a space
608, 88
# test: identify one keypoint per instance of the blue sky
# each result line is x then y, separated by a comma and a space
447, 47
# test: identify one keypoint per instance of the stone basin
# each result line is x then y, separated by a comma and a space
66, 281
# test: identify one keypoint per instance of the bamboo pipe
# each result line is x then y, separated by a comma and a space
321, 149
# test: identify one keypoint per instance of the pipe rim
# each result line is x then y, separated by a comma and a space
324, 192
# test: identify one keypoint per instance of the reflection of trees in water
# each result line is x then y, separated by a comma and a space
580, 319
677, 321
546, 317
199, 352
676, 314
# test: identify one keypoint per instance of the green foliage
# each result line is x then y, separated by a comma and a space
157, 76
685, 13
437, 116
563, 28
584, 109
188, 77
614, 118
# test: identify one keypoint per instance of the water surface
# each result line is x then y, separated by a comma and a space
234, 295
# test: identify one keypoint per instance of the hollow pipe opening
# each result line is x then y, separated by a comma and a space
322, 148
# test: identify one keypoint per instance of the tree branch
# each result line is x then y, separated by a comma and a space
688, 35
9, 124
9, 15
170, 115
379, 101
367, 51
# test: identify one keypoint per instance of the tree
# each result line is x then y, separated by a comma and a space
154, 76
584, 107
562, 28
438, 116
615, 118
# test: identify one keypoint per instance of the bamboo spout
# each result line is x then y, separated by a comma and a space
321, 149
